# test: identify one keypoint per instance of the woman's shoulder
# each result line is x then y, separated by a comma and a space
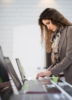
69, 31
69, 28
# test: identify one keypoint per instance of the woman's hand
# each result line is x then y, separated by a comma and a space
43, 74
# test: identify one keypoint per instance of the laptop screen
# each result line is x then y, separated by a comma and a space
5, 85
12, 72
20, 68
9, 64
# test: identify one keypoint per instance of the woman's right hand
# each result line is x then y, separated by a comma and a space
43, 74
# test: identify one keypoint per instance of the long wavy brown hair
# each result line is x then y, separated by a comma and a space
57, 19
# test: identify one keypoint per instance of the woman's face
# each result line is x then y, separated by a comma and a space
49, 25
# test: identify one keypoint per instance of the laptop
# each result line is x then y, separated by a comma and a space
20, 69
6, 93
30, 86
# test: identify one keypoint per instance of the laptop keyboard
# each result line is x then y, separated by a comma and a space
34, 86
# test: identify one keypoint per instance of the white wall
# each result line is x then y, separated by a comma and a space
27, 47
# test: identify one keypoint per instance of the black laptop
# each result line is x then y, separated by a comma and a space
28, 86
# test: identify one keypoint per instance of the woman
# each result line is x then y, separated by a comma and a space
56, 31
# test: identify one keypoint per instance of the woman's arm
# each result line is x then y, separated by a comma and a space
49, 67
68, 59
